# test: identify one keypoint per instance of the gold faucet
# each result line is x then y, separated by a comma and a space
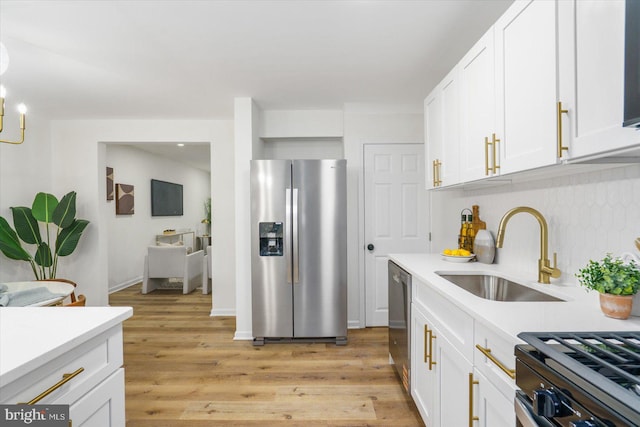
545, 271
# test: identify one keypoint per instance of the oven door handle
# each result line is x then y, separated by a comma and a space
524, 413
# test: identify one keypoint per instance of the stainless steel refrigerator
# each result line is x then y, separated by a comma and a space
298, 250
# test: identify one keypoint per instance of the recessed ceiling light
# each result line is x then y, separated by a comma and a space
180, 145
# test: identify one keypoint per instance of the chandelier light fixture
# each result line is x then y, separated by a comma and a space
4, 63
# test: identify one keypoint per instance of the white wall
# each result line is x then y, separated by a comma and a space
129, 235
301, 124
589, 214
79, 161
369, 124
296, 148
247, 146
25, 170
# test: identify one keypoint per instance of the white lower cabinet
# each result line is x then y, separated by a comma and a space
439, 373
423, 374
453, 383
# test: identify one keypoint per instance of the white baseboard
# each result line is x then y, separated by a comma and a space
219, 312
243, 336
354, 324
124, 285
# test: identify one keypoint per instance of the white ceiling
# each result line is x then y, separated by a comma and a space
189, 59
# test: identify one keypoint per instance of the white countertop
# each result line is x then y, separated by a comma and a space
580, 311
32, 336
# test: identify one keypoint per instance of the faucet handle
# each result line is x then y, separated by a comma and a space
555, 272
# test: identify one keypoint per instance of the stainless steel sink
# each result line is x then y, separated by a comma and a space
496, 288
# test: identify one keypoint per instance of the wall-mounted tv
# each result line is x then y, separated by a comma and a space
166, 198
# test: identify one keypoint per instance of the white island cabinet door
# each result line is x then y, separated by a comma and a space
526, 85
103, 406
592, 77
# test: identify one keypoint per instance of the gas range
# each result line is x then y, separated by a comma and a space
578, 379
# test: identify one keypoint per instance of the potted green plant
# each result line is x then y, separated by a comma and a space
615, 280
207, 216
57, 217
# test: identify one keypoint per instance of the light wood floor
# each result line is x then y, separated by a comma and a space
182, 368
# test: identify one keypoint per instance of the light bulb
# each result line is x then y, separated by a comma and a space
22, 108
180, 145
3, 92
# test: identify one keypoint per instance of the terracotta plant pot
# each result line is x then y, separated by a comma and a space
616, 306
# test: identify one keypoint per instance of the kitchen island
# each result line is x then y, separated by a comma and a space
463, 345
75, 353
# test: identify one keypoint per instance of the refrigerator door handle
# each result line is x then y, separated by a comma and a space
294, 220
287, 237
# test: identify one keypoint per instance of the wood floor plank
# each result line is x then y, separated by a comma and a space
184, 369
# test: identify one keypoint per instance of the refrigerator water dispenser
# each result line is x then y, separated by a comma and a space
271, 239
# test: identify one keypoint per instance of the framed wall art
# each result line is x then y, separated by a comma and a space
124, 199
109, 183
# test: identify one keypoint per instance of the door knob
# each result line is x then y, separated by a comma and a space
370, 247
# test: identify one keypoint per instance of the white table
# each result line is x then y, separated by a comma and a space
53, 286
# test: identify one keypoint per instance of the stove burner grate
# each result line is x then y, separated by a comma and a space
594, 356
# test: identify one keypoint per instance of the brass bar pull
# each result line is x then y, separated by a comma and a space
487, 169
431, 338
436, 173
495, 141
65, 379
426, 340
561, 147
433, 164
487, 353
472, 382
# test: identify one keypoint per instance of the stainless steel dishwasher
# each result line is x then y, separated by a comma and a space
399, 321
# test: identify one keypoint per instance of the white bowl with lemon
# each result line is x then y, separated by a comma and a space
457, 255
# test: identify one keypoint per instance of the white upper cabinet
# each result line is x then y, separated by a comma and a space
545, 85
442, 128
526, 85
477, 108
592, 77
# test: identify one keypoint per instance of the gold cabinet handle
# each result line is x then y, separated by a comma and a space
472, 382
495, 148
433, 166
426, 342
431, 338
65, 379
487, 169
561, 147
436, 173
487, 353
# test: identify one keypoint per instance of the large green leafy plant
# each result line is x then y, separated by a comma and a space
58, 218
610, 276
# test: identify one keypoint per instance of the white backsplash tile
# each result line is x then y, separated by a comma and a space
588, 214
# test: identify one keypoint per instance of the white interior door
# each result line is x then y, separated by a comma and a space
395, 216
